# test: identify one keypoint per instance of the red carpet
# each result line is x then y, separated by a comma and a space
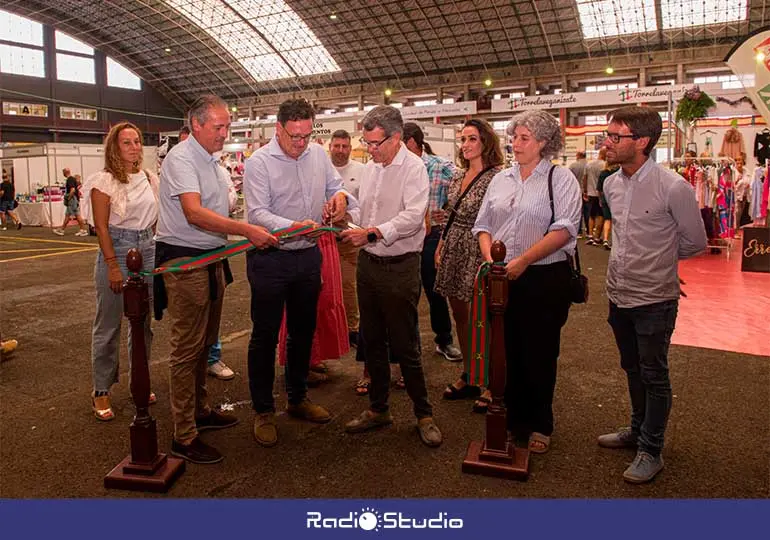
725, 309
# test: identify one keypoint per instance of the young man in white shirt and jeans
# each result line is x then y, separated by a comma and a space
393, 198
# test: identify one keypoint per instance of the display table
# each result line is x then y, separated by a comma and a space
38, 214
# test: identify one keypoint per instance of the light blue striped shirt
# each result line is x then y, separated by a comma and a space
519, 212
189, 168
280, 190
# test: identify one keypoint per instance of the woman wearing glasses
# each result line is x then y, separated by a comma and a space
517, 211
458, 256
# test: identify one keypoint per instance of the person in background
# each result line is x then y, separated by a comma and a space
606, 213
72, 202
394, 198
657, 223
742, 192
184, 132
121, 202
578, 168
458, 255
440, 173
7, 202
539, 240
591, 196
350, 171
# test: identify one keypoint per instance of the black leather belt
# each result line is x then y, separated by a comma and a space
389, 260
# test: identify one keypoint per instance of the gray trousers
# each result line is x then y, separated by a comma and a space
105, 335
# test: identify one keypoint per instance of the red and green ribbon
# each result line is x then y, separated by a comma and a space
477, 363
225, 252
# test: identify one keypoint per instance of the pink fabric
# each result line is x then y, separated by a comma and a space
765, 191
330, 340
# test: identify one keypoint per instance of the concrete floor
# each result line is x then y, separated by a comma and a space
51, 445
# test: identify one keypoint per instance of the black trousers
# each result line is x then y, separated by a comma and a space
440, 322
281, 278
388, 294
538, 306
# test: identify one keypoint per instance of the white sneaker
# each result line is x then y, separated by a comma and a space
221, 371
81, 233
59, 232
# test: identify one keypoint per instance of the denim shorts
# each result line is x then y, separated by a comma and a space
73, 207
6, 206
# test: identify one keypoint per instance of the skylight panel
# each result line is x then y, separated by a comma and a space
687, 13
605, 18
69, 43
268, 38
20, 29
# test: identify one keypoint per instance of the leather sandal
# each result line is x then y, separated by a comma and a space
399, 384
102, 408
539, 443
481, 405
362, 387
468, 391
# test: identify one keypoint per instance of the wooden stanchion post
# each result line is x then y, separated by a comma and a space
495, 455
144, 469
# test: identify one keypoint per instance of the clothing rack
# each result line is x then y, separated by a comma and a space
721, 198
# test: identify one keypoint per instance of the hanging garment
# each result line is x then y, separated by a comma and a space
732, 144
762, 146
725, 204
757, 187
708, 151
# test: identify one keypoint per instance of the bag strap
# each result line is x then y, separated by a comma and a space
574, 262
453, 211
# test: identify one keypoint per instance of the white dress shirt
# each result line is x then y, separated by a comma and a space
394, 199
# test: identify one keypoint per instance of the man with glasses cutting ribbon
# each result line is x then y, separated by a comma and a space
288, 182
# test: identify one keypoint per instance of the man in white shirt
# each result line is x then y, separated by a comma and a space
393, 198
351, 172
591, 196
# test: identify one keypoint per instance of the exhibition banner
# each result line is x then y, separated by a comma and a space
750, 61
461, 108
645, 94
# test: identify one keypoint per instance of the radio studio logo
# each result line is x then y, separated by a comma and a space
371, 519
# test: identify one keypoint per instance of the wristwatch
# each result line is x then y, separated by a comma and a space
371, 237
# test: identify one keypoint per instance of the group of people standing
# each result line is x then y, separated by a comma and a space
409, 221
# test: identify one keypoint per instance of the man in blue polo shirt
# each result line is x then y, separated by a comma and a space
193, 220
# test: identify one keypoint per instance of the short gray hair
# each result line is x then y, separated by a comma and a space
386, 117
543, 126
200, 108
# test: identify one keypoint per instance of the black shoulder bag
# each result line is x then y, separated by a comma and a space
453, 211
578, 283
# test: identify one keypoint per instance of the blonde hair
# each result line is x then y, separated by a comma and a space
113, 163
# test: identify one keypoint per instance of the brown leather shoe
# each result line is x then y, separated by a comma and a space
307, 410
265, 430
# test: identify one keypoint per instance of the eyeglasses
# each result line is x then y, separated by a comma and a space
615, 137
375, 144
298, 138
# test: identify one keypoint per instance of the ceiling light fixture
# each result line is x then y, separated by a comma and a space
760, 57
487, 82
167, 49
234, 108
388, 92
333, 16
609, 70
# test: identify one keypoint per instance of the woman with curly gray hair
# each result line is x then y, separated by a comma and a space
539, 238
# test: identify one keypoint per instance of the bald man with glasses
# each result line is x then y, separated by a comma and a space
288, 182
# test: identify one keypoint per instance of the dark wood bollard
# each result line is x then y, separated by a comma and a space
495, 455
144, 469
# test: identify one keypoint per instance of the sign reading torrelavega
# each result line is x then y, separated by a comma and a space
645, 94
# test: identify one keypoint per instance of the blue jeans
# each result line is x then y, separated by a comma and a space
105, 335
643, 335
215, 352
